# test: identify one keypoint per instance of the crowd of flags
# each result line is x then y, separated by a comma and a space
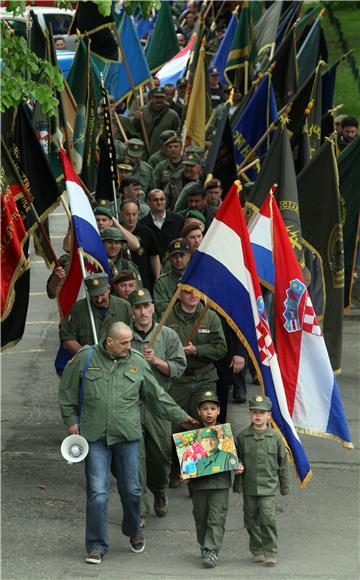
302, 202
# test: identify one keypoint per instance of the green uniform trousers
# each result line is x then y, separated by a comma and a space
260, 521
210, 507
155, 456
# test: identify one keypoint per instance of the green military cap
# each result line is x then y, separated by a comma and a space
209, 396
140, 297
178, 247
209, 432
126, 164
261, 403
173, 139
165, 135
97, 284
113, 234
191, 159
103, 210
135, 147
157, 92
194, 213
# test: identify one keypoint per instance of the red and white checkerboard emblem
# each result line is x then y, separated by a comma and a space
265, 343
310, 322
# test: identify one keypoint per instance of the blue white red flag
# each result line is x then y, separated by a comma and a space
260, 234
174, 70
85, 237
312, 393
228, 279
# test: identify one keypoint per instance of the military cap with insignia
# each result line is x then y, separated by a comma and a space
191, 159
157, 92
135, 147
97, 284
213, 70
178, 246
209, 396
140, 297
209, 432
125, 164
103, 210
113, 234
165, 135
260, 403
194, 213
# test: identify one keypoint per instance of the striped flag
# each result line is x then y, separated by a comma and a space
85, 237
312, 392
174, 70
229, 281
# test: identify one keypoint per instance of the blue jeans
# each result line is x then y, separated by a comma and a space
124, 461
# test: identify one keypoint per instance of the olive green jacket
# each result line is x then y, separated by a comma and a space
166, 170
265, 461
112, 391
209, 340
77, 326
156, 123
164, 288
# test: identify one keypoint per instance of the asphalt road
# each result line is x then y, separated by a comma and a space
43, 498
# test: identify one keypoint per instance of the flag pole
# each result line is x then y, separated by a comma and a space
108, 136
131, 81
121, 128
164, 317
91, 314
197, 324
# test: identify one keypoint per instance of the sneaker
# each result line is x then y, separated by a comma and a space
209, 558
161, 505
137, 543
270, 561
258, 558
94, 557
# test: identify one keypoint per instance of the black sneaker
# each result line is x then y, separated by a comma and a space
161, 504
137, 543
209, 558
94, 557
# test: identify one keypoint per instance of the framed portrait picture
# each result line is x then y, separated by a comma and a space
206, 451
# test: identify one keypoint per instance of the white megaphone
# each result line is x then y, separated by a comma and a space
74, 448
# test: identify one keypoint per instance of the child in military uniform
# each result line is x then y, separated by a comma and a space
266, 469
210, 494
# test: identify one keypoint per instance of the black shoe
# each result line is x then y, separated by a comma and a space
94, 557
241, 399
137, 543
161, 504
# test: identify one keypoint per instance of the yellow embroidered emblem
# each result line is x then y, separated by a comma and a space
208, 394
96, 282
132, 370
216, 468
141, 293
259, 399
177, 245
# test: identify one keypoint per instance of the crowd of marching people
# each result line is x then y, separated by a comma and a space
144, 381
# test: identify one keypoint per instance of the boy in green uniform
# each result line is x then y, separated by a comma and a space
210, 494
263, 455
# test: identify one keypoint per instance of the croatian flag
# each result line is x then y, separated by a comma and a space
259, 230
174, 70
85, 237
312, 393
228, 279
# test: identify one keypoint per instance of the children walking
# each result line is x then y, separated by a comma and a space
266, 470
210, 494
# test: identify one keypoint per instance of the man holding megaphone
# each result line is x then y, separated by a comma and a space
99, 396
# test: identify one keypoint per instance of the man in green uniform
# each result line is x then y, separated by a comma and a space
167, 361
99, 396
161, 155
76, 331
266, 470
171, 168
177, 188
158, 117
216, 460
119, 257
165, 284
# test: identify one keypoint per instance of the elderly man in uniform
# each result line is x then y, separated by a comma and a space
167, 361
165, 285
105, 219
99, 397
76, 331
203, 346
158, 117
